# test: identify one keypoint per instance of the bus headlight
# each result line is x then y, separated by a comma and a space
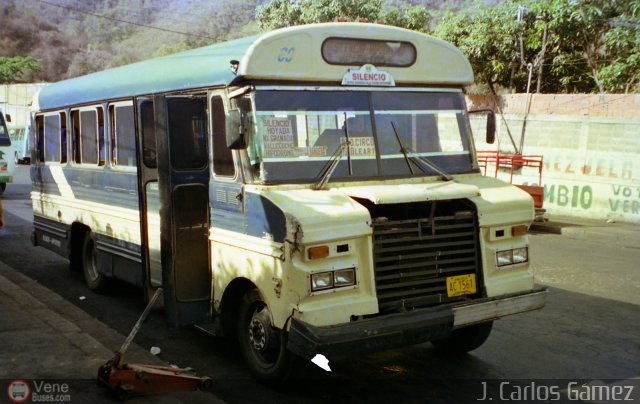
321, 281
345, 277
520, 255
514, 256
333, 279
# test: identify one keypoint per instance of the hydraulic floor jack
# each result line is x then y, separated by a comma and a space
126, 379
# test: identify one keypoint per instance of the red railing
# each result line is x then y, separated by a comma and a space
497, 160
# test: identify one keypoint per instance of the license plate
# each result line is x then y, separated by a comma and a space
461, 285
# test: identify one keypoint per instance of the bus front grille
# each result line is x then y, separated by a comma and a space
413, 258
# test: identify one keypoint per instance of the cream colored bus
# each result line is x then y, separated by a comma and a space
310, 190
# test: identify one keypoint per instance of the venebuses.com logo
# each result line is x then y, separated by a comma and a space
34, 391
18, 391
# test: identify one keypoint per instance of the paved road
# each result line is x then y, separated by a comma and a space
589, 329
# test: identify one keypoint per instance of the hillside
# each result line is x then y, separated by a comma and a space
69, 38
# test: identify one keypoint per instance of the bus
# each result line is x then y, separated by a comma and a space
19, 138
6, 154
313, 190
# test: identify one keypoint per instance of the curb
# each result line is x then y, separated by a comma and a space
89, 337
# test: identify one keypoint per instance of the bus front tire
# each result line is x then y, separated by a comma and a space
465, 339
95, 281
263, 346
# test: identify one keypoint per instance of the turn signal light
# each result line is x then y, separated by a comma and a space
315, 253
519, 230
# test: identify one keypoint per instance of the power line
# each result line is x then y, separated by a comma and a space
123, 21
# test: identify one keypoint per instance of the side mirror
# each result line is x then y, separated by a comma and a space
491, 127
491, 123
7, 118
234, 130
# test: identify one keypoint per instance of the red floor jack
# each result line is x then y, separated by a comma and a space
126, 379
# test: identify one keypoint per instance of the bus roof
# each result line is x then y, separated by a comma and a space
292, 54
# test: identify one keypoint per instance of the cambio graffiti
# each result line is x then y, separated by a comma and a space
569, 196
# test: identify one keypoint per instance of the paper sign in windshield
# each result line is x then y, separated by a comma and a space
278, 137
279, 140
361, 146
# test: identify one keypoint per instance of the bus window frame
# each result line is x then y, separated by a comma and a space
225, 105
44, 136
113, 141
79, 110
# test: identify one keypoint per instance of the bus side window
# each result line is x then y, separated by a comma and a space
89, 137
148, 134
222, 155
63, 137
123, 150
187, 132
75, 123
40, 137
102, 147
52, 138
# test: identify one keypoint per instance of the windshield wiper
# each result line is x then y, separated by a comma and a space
346, 135
327, 170
411, 157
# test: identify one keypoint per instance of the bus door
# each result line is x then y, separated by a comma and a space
149, 197
182, 174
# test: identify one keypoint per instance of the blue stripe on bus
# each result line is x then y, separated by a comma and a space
103, 186
261, 217
255, 215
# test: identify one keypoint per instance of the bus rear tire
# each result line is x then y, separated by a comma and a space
3, 187
263, 346
465, 339
95, 281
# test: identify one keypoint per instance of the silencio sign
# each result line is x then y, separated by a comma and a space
367, 75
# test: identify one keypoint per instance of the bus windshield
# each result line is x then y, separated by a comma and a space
296, 133
4, 135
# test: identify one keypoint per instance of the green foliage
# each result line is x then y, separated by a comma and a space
283, 13
12, 68
489, 39
591, 45
416, 18
622, 42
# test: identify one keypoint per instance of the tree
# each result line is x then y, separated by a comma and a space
622, 42
580, 28
283, 13
11, 68
489, 38
590, 46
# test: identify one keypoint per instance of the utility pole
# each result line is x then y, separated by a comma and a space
537, 62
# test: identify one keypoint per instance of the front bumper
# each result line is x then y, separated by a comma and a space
401, 329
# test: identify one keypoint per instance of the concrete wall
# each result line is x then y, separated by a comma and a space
590, 145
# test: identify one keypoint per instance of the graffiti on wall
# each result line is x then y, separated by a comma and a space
599, 167
625, 199
573, 195
616, 199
